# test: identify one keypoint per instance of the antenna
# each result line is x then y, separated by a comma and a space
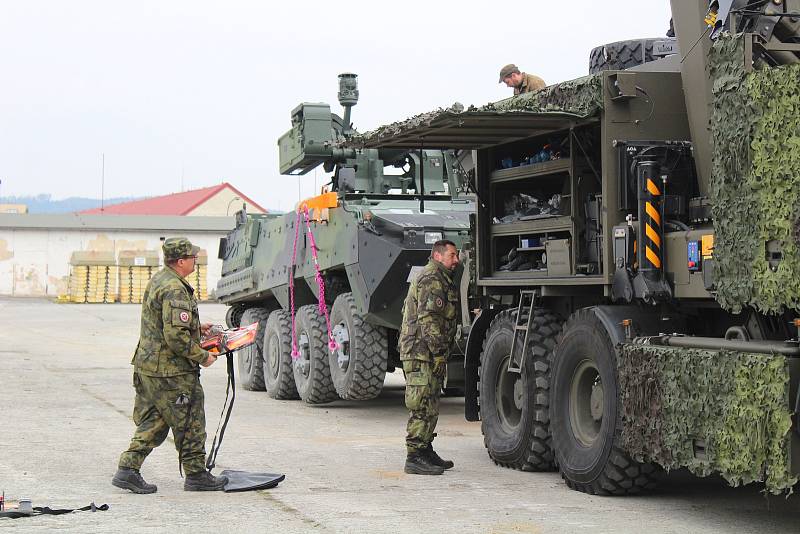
102, 183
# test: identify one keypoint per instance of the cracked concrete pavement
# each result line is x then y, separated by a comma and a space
65, 416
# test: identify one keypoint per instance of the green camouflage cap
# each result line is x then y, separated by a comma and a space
508, 70
178, 247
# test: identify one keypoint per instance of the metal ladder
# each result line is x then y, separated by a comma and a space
516, 362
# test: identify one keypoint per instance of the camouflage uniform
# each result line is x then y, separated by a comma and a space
530, 83
429, 326
166, 369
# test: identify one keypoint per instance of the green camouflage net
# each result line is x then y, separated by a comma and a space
755, 180
582, 97
733, 403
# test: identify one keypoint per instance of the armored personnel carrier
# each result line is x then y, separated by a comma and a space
375, 224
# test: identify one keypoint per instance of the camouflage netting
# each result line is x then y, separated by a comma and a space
582, 98
737, 403
755, 180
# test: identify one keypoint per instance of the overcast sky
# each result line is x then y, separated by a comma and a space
186, 94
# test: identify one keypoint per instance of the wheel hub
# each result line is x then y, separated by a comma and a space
596, 401
342, 338
586, 403
272, 359
509, 397
518, 394
303, 363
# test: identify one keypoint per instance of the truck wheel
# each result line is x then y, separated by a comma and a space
250, 364
584, 416
514, 407
358, 365
312, 375
626, 54
233, 317
278, 373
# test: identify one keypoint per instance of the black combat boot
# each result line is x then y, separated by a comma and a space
418, 464
130, 479
204, 481
435, 459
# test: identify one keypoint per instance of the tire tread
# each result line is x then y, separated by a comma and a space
254, 380
369, 371
538, 454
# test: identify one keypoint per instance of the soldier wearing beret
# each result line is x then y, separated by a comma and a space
430, 315
166, 376
520, 81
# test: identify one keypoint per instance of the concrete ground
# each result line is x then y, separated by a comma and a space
65, 405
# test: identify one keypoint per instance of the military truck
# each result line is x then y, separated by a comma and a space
372, 229
637, 260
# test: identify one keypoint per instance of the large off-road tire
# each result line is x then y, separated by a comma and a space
626, 54
585, 418
312, 374
358, 365
233, 317
278, 372
514, 407
250, 362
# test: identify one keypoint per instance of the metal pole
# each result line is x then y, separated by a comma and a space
785, 348
421, 176
103, 183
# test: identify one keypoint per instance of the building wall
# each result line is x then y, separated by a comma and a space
35, 261
223, 204
13, 208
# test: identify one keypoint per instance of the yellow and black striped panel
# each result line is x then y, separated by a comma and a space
652, 226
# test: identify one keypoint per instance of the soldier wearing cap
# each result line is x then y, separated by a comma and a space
430, 319
520, 81
166, 376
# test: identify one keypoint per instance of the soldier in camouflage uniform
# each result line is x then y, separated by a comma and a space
521, 82
166, 376
429, 326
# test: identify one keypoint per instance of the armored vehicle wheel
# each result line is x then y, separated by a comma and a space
584, 416
514, 407
312, 375
233, 317
278, 373
358, 365
250, 364
626, 54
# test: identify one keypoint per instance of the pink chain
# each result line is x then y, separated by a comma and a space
323, 307
295, 352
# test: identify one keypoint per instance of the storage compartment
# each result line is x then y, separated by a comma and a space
532, 253
532, 192
543, 206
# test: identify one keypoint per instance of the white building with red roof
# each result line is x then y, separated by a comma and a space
215, 201
36, 250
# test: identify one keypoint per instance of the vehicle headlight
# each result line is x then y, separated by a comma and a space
432, 237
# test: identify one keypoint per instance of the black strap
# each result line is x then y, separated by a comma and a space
186, 423
230, 390
58, 511
45, 510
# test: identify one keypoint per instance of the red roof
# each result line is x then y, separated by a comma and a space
174, 204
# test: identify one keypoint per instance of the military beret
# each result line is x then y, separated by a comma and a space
178, 247
508, 70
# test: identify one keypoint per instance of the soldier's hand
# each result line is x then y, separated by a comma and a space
204, 328
439, 367
209, 360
